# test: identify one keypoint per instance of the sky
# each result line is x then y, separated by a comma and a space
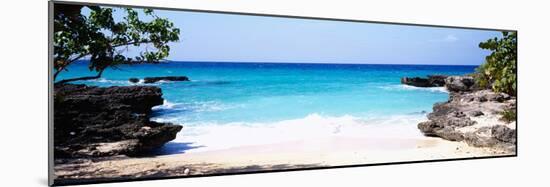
244, 38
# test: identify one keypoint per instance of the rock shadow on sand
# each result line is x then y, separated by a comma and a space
171, 148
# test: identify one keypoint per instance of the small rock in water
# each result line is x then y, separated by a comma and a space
133, 80
167, 78
431, 81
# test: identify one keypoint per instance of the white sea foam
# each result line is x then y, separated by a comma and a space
126, 82
407, 87
213, 136
200, 106
165, 105
140, 82
211, 106
104, 80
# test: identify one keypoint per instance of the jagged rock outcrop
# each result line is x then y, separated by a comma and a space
94, 121
431, 81
460, 83
473, 116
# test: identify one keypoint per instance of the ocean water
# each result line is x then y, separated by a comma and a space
234, 104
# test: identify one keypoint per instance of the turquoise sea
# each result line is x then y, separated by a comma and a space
253, 103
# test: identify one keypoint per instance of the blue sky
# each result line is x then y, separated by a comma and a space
243, 38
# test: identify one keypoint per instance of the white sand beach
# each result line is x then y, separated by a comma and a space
319, 152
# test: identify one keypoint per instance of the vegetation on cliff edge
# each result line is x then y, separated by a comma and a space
499, 72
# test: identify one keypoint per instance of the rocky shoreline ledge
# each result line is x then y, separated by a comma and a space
431, 81
472, 115
92, 121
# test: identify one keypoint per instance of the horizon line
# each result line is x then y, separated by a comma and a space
333, 63
275, 62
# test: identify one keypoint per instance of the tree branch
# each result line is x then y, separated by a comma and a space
81, 78
84, 54
132, 43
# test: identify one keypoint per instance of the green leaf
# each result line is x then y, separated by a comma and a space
498, 71
98, 36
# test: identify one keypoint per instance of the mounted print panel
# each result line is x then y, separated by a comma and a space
151, 93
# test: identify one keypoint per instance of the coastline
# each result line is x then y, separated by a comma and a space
478, 116
388, 143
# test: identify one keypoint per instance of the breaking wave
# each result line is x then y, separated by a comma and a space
215, 136
402, 87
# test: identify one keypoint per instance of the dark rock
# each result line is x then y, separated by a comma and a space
459, 83
498, 97
441, 109
458, 114
449, 133
437, 80
429, 128
484, 96
431, 81
96, 121
167, 78
504, 134
415, 81
133, 80
476, 113
154, 137
481, 99
480, 138
497, 136
90, 99
448, 114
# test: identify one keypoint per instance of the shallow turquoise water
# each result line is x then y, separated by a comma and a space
244, 92
267, 93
